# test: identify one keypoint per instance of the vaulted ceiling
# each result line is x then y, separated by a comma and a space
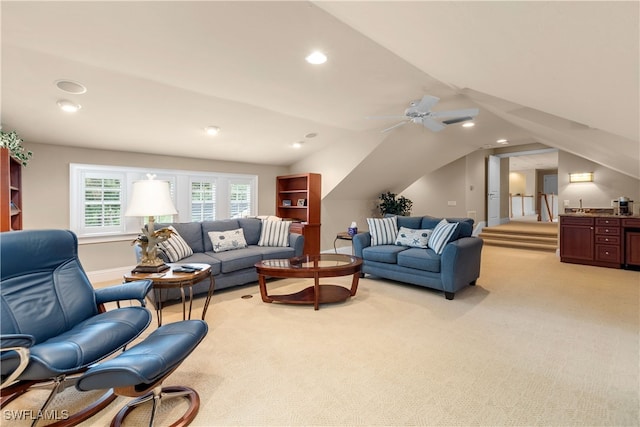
564, 74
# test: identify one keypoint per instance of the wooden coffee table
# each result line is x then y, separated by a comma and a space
311, 266
170, 279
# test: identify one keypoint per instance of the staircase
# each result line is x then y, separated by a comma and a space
542, 236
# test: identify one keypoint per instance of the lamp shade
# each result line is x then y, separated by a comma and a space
150, 198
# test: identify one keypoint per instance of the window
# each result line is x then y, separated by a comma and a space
239, 199
203, 200
99, 196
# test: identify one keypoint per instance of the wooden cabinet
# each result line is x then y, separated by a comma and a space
298, 198
10, 192
576, 239
606, 241
631, 229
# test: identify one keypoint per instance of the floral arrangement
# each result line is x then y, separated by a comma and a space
390, 205
12, 142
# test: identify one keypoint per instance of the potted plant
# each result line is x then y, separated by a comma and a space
389, 204
12, 142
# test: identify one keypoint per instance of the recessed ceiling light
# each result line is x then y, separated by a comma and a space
502, 141
70, 86
316, 58
212, 130
297, 144
68, 106
468, 125
311, 135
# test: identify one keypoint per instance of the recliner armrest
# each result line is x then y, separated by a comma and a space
137, 290
16, 340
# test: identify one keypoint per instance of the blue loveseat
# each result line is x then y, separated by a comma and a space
231, 267
456, 267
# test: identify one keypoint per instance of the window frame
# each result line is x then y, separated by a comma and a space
180, 181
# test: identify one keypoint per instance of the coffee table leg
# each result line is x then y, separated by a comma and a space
316, 292
158, 303
206, 302
354, 283
184, 308
263, 288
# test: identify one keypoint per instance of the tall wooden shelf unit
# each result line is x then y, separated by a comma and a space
10, 192
298, 199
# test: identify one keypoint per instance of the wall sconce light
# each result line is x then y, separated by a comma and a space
581, 177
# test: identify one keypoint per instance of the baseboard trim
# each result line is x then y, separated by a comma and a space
109, 274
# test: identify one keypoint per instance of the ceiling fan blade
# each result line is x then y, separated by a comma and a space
385, 117
457, 120
426, 103
470, 112
434, 125
395, 126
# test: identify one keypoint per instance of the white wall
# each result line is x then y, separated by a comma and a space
45, 184
607, 184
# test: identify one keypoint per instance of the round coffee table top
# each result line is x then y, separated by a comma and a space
308, 265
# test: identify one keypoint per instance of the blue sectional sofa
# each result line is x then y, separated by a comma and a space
456, 267
231, 267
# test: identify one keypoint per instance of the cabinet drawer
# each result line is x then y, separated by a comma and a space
631, 222
611, 222
607, 253
572, 220
608, 240
614, 231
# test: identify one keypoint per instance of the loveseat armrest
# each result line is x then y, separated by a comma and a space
137, 290
361, 241
296, 241
460, 263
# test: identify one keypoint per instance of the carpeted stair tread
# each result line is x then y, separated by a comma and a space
537, 236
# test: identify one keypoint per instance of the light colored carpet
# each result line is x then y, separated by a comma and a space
536, 342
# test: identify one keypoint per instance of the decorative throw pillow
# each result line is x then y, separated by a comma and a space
227, 240
442, 234
274, 233
175, 248
413, 238
383, 230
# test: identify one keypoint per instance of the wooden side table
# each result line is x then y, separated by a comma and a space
171, 279
342, 236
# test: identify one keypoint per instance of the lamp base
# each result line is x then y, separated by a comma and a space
150, 268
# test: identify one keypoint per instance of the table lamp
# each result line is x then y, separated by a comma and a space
151, 198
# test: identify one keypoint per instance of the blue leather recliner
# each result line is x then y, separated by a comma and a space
54, 328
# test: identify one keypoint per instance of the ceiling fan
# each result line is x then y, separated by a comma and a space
419, 111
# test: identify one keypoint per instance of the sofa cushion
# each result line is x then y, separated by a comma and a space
219, 225
191, 232
383, 230
237, 260
275, 252
175, 248
202, 258
274, 233
465, 229
413, 238
227, 240
420, 259
407, 221
252, 228
442, 234
383, 253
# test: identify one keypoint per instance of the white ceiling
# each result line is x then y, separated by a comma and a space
561, 73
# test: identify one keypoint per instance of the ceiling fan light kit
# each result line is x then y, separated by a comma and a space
419, 112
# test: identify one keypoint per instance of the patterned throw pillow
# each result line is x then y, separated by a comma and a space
274, 233
227, 240
175, 248
383, 230
441, 235
413, 238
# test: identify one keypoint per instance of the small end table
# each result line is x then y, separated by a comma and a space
171, 279
343, 235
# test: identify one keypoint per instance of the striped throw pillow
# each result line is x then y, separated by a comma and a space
383, 230
175, 248
274, 233
442, 234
